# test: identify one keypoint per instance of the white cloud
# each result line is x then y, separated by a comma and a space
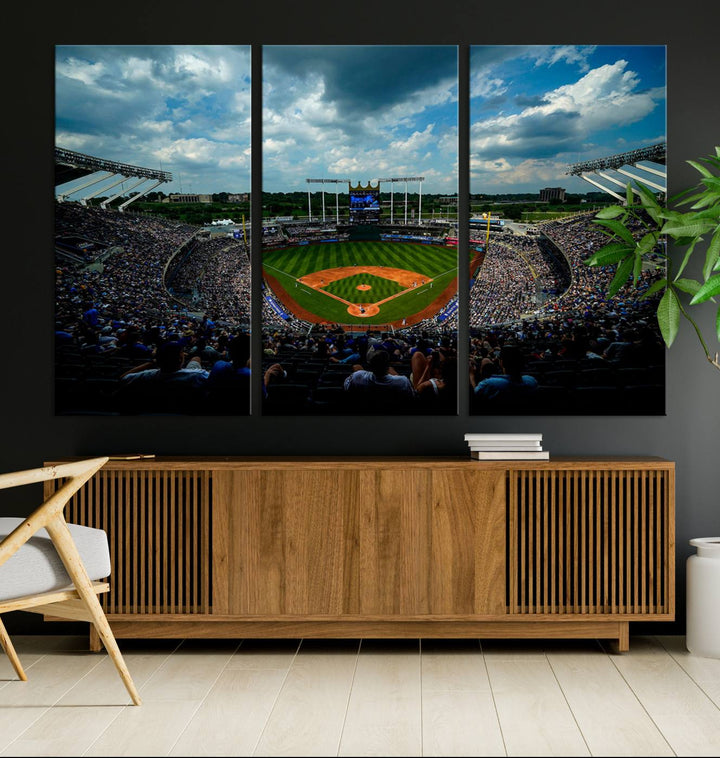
502, 172
566, 53
84, 71
605, 97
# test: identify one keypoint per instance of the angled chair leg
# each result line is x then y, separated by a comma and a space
70, 557
7, 646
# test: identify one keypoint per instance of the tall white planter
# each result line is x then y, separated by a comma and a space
702, 636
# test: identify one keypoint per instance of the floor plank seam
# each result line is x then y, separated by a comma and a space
204, 698
347, 704
128, 705
642, 705
687, 673
567, 702
277, 697
48, 707
492, 695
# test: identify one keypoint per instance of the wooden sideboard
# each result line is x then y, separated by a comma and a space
384, 547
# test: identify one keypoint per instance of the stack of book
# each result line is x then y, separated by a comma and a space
503, 447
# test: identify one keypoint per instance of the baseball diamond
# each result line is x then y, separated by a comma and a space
362, 281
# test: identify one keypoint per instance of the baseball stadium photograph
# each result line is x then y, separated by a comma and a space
557, 134
360, 291
152, 266
356, 232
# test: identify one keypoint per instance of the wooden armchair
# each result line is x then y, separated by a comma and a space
49, 566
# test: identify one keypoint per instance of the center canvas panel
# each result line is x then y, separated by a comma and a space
359, 239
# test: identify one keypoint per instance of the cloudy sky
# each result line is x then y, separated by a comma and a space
182, 109
348, 112
360, 112
536, 109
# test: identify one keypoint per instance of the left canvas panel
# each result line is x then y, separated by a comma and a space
152, 240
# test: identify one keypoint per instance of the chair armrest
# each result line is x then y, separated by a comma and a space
77, 473
61, 471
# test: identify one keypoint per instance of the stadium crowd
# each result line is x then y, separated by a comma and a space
329, 370
215, 278
578, 352
116, 318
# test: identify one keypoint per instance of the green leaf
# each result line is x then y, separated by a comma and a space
712, 256
646, 244
706, 199
624, 270
629, 199
618, 229
686, 259
637, 267
688, 228
668, 316
717, 324
650, 203
653, 288
687, 285
612, 211
712, 182
609, 254
704, 171
708, 290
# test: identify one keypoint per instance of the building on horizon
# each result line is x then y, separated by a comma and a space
548, 194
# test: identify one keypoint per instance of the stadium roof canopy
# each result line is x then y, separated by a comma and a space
70, 166
650, 160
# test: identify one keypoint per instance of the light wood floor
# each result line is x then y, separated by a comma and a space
361, 698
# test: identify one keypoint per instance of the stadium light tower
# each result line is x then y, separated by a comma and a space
405, 179
323, 182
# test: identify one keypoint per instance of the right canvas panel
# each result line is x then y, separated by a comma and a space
557, 134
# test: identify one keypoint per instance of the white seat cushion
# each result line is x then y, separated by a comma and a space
36, 567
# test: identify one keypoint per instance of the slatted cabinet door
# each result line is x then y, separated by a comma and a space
158, 523
591, 542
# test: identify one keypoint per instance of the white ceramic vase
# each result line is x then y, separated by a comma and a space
702, 634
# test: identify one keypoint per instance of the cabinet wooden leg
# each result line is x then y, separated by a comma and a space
622, 643
95, 643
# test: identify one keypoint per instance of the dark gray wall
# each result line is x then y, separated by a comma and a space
690, 432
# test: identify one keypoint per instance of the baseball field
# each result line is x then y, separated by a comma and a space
362, 282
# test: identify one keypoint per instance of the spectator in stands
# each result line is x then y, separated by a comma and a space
508, 389
131, 346
166, 385
228, 384
379, 388
434, 379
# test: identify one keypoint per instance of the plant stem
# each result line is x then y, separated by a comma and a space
715, 362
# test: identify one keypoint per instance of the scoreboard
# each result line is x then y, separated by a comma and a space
364, 204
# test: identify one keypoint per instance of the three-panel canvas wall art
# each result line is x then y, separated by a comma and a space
361, 233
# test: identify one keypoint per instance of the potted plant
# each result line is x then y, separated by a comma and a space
638, 232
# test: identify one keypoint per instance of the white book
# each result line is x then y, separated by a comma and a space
510, 447
503, 437
514, 443
542, 455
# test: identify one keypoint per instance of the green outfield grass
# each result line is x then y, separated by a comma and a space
288, 264
348, 290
